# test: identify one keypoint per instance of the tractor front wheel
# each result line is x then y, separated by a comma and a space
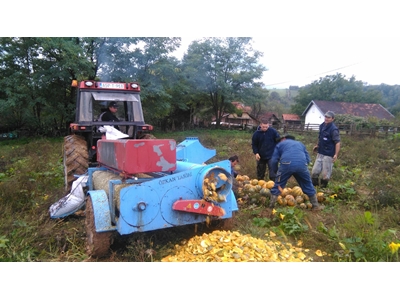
75, 158
97, 243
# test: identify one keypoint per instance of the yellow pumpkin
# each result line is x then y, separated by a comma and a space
285, 192
239, 177
297, 191
261, 182
254, 182
270, 184
284, 202
290, 200
320, 197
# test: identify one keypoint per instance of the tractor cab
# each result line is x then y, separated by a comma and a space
93, 98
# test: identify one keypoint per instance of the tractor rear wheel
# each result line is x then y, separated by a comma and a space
97, 243
75, 157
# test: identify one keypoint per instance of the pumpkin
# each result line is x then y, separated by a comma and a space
254, 182
239, 177
265, 192
283, 200
290, 200
297, 191
247, 186
299, 200
320, 197
285, 192
270, 184
257, 188
303, 205
261, 182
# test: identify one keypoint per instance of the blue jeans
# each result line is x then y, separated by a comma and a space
300, 172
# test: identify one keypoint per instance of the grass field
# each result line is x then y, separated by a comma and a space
360, 221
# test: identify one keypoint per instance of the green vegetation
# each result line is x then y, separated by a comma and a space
37, 99
360, 221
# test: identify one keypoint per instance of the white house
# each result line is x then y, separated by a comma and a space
315, 112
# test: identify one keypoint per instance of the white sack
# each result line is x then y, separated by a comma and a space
112, 133
72, 202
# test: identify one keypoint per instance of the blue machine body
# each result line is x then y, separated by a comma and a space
142, 204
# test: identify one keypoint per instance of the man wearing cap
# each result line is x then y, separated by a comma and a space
327, 149
290, 158
109, 114
263, 143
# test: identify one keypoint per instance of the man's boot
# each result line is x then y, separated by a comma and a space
315, 181
324, 183
315, 205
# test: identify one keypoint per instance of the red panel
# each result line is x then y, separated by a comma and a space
199, 207
138, 156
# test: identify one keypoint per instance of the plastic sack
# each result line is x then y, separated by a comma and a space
112, 133
70, 203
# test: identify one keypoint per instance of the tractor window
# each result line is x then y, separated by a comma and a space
92, 104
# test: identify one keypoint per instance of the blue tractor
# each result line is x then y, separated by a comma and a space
150, 184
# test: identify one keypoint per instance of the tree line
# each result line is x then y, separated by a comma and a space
36, 96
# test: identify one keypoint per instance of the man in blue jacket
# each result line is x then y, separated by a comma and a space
263, 143
328, 150
290, 158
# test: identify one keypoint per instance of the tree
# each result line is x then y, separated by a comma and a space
145, 60
334, 88
222, 70
35, 75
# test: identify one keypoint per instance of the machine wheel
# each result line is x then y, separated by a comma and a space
97, 243
75, 157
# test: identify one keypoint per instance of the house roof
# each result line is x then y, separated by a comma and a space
291, 117
355, 109
245, 116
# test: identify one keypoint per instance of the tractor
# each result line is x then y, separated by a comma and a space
80, 145
140, 184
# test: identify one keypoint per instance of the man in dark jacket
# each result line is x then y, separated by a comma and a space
328, 150
109, 114
290, 158
263, 143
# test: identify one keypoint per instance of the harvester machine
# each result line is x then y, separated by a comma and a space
149, 184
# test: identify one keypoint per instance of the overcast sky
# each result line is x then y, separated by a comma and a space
301, 60
302, 40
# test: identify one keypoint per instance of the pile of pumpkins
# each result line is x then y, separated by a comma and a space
258, 192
